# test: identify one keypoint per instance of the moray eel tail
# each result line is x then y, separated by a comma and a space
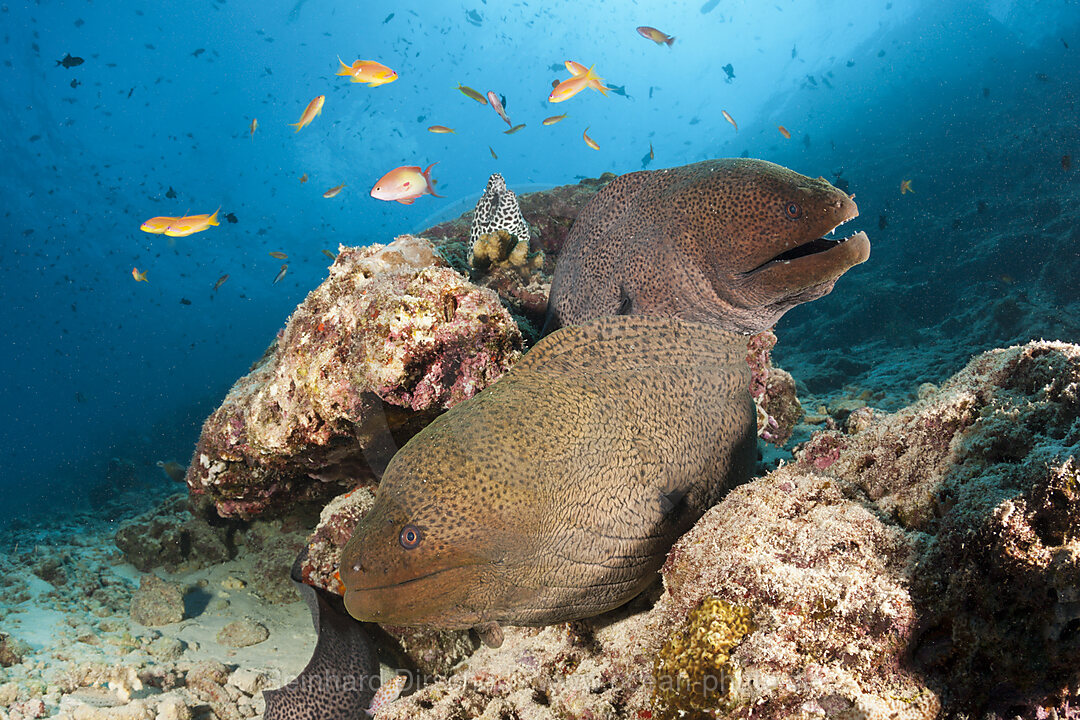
338, 682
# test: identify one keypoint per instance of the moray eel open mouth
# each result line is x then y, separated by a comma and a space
823, 245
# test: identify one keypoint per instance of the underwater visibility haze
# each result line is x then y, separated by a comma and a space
188, 182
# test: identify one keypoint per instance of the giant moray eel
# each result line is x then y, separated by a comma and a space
557, 492
735, 242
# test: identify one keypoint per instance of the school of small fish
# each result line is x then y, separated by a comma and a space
407, 183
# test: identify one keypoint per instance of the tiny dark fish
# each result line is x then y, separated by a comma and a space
729, 69
806, 140
881, 53
841, 183
35, 138
69, 61
794, 52
1042, 77
75, 83
170, 193
707, 7
986, 92
850, 63
555, 67
502, 99
1066, 162
148, 46
826, 82
619, 90
185, 301
388, 18
231, 217
267, 71
810, 79
131, 91
882, 222
1064, 43
198, 52
80, 22
474, 17
221, 281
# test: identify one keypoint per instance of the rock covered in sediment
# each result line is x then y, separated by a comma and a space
391, 338
926, 562
157, 602
241, 633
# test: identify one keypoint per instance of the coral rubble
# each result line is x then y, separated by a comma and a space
390, 339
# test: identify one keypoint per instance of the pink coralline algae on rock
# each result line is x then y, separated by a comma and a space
773, 391
928, 567
390, 339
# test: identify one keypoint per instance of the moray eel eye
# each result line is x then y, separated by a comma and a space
793, 210
409, 537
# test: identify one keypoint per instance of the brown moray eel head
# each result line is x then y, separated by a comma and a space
736, 242
556, 493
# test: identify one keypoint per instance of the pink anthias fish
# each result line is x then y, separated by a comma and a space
494, 100
404, 184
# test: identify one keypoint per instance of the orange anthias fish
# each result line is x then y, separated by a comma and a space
313, 108
191, 224
368, 71
139, 276
404, 184
730, 119
660, 38
254, 125
553, 119
784, 131
571, 87
589, 141
440, 129
333, 191
157, 225
905, 187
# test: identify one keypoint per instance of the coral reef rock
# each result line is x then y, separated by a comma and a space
925, 562
157, 602
390, 339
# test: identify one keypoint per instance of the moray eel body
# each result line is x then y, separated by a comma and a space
557, 492
734, 242
339, 681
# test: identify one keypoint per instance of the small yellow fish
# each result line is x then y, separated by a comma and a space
254, 125
368, 71
277, 255
387, 693
281, 273
730, 119
571, 87
784, 131
330, 255
553, 119
303, 178
220, 281
174, 470
139, 276
440, 130
470, 93
191, 224
660, 38
492, 151
333, 191
905, 187
589, 141
514, 129
313, 108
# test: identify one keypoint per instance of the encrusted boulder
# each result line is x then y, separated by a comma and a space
390, 339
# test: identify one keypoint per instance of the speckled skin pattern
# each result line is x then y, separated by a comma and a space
497, 209
337, 683
695, 242
556, 493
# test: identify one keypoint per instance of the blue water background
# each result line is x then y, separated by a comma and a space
97, 366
